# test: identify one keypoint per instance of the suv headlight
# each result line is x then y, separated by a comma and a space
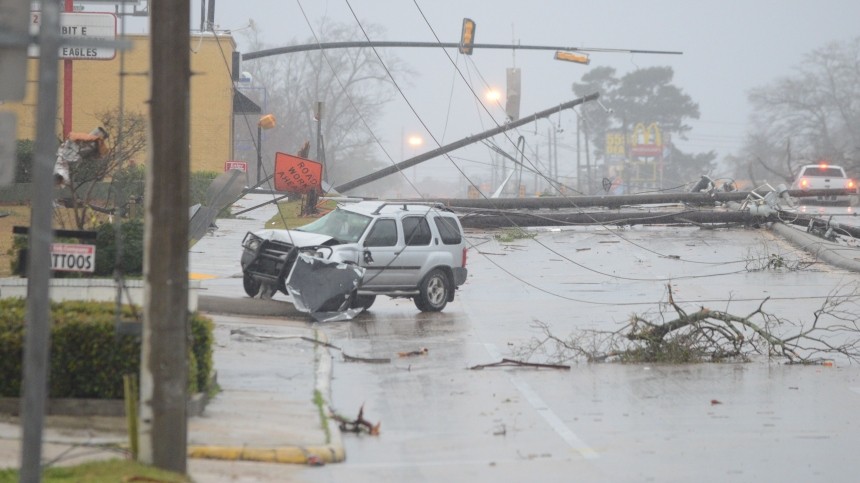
253, 243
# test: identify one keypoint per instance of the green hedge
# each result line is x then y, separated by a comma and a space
88, 357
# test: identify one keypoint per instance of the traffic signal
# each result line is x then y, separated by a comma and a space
577, 57
467, 36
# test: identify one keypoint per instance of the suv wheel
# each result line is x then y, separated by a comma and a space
252, 287
363, 301
433, 292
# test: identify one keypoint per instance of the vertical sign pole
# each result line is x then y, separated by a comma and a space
37, 337
67, 86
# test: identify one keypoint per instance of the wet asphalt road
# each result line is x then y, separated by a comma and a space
441, 421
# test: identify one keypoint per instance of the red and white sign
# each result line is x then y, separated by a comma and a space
297, 175
240, 165
79, 25
70, 257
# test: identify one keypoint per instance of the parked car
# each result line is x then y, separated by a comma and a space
409, 250
825, 176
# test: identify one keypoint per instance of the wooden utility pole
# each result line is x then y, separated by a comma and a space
164, 353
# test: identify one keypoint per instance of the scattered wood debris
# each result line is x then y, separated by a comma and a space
369, 360
358, 425
512, 362
420, 352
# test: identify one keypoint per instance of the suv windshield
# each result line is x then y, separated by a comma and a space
344, 226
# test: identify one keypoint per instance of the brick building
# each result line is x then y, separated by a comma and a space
96, 87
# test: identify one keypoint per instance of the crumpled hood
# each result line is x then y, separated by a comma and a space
293, 237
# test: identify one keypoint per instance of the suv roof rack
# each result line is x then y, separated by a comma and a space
405, 204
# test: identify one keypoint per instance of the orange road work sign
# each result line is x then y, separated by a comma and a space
297, 175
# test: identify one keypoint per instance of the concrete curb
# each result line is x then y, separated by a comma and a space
248, 306
822, 249
333, 452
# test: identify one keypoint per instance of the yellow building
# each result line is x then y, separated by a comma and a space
96, 89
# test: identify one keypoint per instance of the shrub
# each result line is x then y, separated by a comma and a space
132, 248
88, 356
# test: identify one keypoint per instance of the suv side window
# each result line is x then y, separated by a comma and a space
383, 234
416, 230
448, 230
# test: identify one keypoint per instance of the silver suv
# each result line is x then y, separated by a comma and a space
410, 250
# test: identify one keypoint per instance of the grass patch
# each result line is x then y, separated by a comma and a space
512, 234
320, 403
289, 214
109, 471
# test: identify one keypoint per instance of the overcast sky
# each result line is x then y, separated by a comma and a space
729, 47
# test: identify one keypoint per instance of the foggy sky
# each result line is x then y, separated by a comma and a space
728, 48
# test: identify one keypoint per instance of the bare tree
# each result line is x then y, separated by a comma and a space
353, 85
124, 145
811, 115
712, 335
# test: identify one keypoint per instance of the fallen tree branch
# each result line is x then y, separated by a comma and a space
512, 362
357, 425
713, 335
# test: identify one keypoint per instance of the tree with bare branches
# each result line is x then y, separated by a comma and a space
352, 84
808, 116
128, 139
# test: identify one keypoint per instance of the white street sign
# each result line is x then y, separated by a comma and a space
80, 25
70, 257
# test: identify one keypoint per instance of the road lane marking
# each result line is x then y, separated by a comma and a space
546, 413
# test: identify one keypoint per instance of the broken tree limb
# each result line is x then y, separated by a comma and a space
512, 362
357, 425
369, 360
712, 335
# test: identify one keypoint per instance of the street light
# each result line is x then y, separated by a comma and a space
414, 141
266, 122
493, 95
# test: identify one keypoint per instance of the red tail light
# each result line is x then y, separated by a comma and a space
804, 184
465, 251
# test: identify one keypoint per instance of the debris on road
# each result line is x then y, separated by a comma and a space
420, 352
369, 360
512, 362
358, 425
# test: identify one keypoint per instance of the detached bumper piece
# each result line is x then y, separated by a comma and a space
324, 288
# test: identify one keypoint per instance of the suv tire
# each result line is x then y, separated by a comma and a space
363, 301
433, 292
252, 287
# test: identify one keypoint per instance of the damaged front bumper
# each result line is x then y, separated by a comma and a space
324, 288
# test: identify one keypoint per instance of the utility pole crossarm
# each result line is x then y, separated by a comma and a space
461, 143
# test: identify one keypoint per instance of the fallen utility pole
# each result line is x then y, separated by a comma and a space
396, 168
616, 201
519, 219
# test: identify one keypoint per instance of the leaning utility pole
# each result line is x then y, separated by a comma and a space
164, 365
396, 168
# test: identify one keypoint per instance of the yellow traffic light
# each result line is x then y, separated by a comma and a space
467, 37
577, 57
